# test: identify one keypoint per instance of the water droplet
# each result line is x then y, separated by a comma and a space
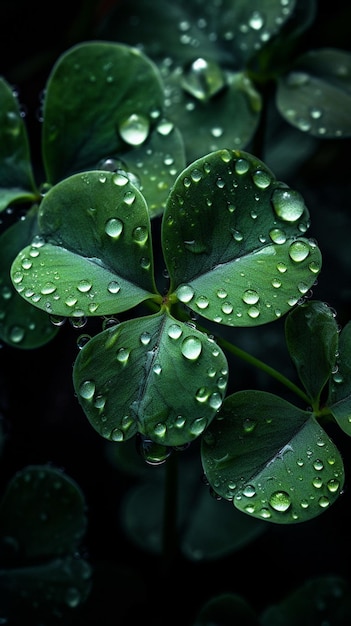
299, 250
256, 20
215, 400
202, 394
87, 389
280, 501
203, 79
129, 196
277, 235
135, 129
145, 338
221, 293
227, 308
174, 331
16, 334
198, 426
261, 179
164, 127
250, 296
157, 369
123, 355
288, 204
82, 341
242, 166
191, 348
140, 235
113, 287
84, 286
333, 485
185, 293
249, 491
120, 179
317, 482
114, 227
117, 435
202, 302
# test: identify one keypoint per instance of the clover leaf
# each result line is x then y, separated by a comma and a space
104, 102
232, 241
286, 469
89, 224
16, 175
154, 375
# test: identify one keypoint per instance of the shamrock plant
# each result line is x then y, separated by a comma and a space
120, 156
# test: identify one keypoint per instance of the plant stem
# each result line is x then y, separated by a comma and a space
242, 354
170, 535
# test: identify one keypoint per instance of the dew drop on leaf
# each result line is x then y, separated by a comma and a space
87, 389
134, 129
185, 293
114, 227
288, 204
299, 251
280, 501
191, 348
203, 79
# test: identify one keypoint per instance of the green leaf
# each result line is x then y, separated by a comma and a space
177, 31
315, 96
226, 609
226, 530
94, 255
203, 97
231, 236
153, 166
152, 375
323, 599
339, 400
102, 99
22, 325
42, 515
16, 176
46, 592
311, 333
271, 458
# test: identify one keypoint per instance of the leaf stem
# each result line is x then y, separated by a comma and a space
245, 356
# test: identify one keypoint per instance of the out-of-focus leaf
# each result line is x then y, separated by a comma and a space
315, 95
16, 176
22, 325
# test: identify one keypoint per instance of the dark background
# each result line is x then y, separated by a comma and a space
44, 424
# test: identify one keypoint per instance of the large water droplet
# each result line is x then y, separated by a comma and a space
87, 389
288, 204
134, 129
191, 348
280, 501
203, 79
114, 227
250, 296
185, 293
299, 250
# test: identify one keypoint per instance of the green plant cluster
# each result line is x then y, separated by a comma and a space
156, 205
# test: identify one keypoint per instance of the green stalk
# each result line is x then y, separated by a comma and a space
242, 354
